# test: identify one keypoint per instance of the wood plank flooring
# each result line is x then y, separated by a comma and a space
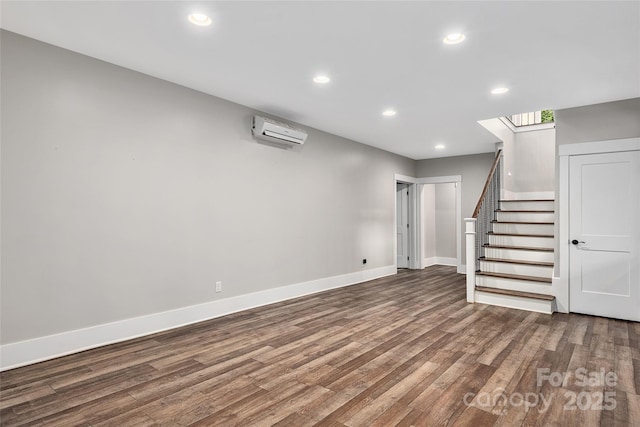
403, 350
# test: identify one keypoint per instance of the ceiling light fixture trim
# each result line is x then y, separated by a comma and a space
499, 90
321, 79
199, 19
454, 38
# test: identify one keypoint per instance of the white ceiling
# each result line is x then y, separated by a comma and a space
380, 54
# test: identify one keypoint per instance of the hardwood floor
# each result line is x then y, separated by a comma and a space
403, 350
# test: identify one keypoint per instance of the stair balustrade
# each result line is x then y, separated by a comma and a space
478, 226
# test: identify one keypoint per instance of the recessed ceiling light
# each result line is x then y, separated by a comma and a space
199, 19
500, 90
321, 79
454, 38
389, 113
440, 147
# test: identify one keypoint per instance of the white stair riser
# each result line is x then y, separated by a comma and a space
525, 216
519, 255
514, 285
520, 303
527, 206
523, 228
520, 269
531, 242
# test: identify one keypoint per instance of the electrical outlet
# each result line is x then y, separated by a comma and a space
364, 261
218, 286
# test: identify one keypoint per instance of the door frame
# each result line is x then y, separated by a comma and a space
560, 281
409, 238
415, 218
414, 224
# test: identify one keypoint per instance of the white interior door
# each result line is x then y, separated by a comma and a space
402, 225
604, 272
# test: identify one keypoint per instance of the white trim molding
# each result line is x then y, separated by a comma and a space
595, 147
439, 179
560, 279
35, 350
415, 249
437, 260
404, 178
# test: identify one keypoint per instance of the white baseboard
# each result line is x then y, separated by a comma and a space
446, 261
428, 262
462, 269
35, 350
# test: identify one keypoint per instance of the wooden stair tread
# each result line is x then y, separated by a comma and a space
495, 221
523, 248
514, 277
511, 261
527, 200
515, 293
522, 211
491, 233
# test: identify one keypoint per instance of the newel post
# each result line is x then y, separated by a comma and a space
470, 233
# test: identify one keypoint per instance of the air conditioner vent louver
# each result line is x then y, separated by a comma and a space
274, 131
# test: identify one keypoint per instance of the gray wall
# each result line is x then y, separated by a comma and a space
125, 195
473, 169
445, 209
428, 221
530, 158
611, 120
438, 221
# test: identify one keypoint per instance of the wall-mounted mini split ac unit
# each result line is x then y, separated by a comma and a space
274, 131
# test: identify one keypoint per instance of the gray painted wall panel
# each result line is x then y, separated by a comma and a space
530, 158
445, 210
600, 122
125, 195
428, 221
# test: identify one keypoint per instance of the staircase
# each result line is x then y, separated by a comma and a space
509, 249
516, 268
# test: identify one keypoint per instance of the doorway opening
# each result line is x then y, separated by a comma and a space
439, 219
409, 236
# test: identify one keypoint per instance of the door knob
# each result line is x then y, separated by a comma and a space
575, 242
